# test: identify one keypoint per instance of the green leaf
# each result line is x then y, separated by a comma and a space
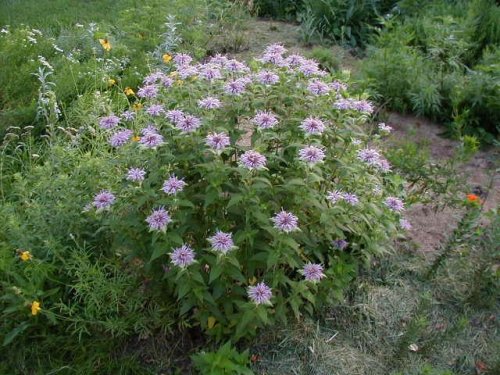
16, 331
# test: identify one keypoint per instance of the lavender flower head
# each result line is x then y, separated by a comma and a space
295, 60
109, 122
267, 78
188, 124
317, 87
260, 294
104, 199
350, 198
340, 244
383, 128
153, 78
175, 115
334, 196
173, 185
313, 272
136, 174
405, 224
311, 155
253, 160
120, 138
369, 156
395, 204
312, 125
182, 256
210, 72
209, 103
217, 141
155, 110
128, 115
151, 139
236, 66
221, 242
148, 92
265, 119
285, 221
275, 48
159, 219
181, 59
236, 87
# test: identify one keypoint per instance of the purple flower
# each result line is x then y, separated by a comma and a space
136, 174
405, 224
260, 294
395, 204
312, 125
318, 88
175, 115
275, 48
294, 60
109, 122
267, 78
273, 58
209, 103
217, 141
210, 72
153, 78
338, 86
334, 196
151, 139
167, 81
253, 160
340, 244
159, 219
182, 59
384, 128
309, 68
353, 104
311, 154
149, 129
369, 156
219, 59
148, 92
364, 106
285, 221
235, 87
120, 137
103, 200
173, 185
221, 242
236, 66
155, 110
182, 256
265, 120
128, 115
350, 198
186, 71
188, 124
313, 272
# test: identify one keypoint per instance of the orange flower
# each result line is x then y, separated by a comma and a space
105, 44
136, 138
473, 198
25, 256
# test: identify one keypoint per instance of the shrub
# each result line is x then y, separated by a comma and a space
227, 195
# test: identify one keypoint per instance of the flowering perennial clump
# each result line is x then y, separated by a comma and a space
248, 149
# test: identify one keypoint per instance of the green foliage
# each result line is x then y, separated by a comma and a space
226, 360
326, 57
441, 62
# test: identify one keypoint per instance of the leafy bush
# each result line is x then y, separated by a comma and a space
225, 195
428, 63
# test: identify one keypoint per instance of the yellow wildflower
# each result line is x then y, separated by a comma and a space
106, 45
25, 256
128, 91
35, 308
136, 138
211, 322
173, 74
137, 106
166, 58
111, 82
179, 82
